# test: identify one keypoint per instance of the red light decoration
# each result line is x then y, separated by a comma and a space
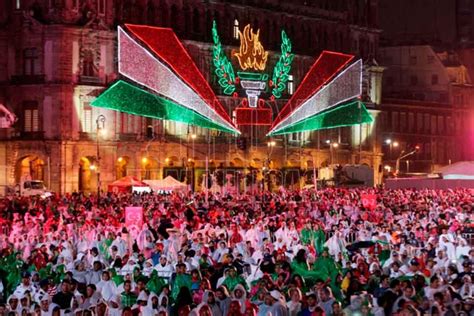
253, 116
324, 69
164, 43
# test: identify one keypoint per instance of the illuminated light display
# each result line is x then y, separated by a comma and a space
125, 97
136, 63
251, 55
324, 69
164, 43
346, 114
345, 86
223, 67
282, 69
174, 88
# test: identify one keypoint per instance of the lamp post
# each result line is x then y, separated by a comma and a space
402, 156
100, 125
270, 146
332, 147
391, 144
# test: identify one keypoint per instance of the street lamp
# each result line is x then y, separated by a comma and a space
332, 148
402, 156
391, 144
100, 125
266, 167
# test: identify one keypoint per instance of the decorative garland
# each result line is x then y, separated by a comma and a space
283, 67
224, 70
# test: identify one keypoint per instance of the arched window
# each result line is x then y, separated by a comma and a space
236, 29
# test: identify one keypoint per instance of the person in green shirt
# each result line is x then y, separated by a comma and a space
181, 279
300, 267
326, 265
233, 279
319, 238
307, 235
128, 298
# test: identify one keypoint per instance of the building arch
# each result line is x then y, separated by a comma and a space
30, 167
149, 168
122, 167
87, 178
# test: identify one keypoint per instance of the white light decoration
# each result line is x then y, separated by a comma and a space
253, 90
139, 65
346, 86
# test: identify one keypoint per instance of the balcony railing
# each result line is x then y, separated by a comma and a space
39, 135
127, 136
87, 136
28, 79
90, 80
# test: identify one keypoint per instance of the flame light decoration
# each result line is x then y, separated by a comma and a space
251, 55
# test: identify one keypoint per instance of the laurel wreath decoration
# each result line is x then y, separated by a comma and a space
283, 67
224, 69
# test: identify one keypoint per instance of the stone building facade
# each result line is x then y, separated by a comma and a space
427, 103
56, 56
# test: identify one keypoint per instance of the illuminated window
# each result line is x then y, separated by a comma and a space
87, 118
291, 87
236, 29
18, 4
31, 117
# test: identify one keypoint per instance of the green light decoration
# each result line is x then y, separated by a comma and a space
224, 70
283, 67
124, 97
346, 114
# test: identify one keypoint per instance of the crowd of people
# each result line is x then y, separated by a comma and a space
313, 252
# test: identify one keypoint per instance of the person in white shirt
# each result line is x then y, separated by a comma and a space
107, 287
434, 287
25, 285
164, 269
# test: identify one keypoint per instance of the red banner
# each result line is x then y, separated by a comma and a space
134, 216
369, 201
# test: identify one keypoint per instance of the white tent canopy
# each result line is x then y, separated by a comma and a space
459, 170
167, 184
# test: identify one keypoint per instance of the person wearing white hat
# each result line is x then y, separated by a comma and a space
278, 304
13, 303
152, 307
113, 306
148, 267
46, 306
